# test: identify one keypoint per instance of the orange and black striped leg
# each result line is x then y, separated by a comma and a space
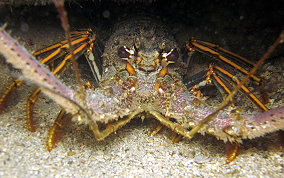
194, 84
15, 84
198, 100
216, 52
221, 85
203, 79
58, 69
232, 151
76, 38
81, 41
29, 109
251, 96
222, 79
56, 131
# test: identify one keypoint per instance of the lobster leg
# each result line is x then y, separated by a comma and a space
29, 109
156, 130
222, 79
217, 52
66, 97
232, 150
171, 125
15, 84
55, 132
100, 135
82, 40
261, 124
243, 87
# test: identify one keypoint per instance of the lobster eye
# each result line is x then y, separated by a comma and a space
171, 56
124, 53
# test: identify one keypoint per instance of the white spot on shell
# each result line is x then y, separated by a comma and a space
102, 116
161, 91
211, 130
191, 124
132, 89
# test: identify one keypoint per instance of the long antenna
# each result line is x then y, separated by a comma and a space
59, 4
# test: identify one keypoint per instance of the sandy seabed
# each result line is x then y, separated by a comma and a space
130, 151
